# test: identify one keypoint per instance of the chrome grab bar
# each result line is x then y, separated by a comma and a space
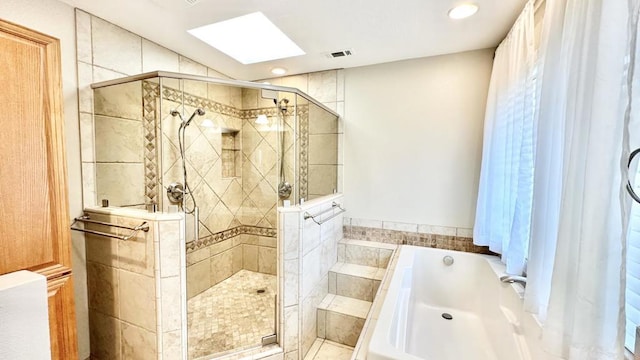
629, 187
333, 206
134, 230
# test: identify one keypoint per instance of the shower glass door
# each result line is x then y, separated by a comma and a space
227, 159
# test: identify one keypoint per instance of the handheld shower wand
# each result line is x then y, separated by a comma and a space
184, 123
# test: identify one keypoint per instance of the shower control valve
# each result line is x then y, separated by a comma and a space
175, 192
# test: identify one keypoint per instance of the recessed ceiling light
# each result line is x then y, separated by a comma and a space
278, 71
463, 11
249, 39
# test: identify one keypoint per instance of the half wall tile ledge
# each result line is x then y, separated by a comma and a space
134, 213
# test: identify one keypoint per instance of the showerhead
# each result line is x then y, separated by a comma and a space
198, 112
184, 124
283, 105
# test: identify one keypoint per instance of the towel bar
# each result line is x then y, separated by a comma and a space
134, 230
333, 206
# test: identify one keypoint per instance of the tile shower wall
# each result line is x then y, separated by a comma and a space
135, 307
119, 149
308, 251
441, 237
104, 52
326, 87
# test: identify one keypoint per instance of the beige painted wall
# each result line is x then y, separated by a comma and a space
413, 139
57, 19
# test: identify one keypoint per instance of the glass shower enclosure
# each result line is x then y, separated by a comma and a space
226, 154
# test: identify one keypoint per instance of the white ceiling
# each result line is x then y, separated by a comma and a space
377, 31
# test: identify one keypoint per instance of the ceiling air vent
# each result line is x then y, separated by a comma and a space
339, 54
192, 2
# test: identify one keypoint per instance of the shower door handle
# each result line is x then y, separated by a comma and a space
629, 187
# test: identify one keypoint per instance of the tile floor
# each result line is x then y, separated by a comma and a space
231, 314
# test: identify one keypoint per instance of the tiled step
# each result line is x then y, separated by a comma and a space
340, 319
355, 281
325, 349
368, 253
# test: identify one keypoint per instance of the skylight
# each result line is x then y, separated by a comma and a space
249, 39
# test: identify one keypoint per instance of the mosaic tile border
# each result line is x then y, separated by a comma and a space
446, 242
187, 99
150, 95
303, 130
176, 95
229, 234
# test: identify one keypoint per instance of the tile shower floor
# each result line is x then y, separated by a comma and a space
231, 314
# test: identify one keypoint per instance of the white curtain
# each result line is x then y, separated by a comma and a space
577, 268
632, 294
506, 177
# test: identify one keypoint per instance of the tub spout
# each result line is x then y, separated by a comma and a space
514, 279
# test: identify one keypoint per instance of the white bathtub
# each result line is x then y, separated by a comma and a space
488, 321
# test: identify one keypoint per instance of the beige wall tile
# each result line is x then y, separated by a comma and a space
172, 345
101, 74
322, 121
158, 58
362, 255
102, 285
249, 98
83, 37
87, 136
267, 241
322, 179
354, 287
121, 183
290, 330
384, 258
323, 149
198, 278
237, 258
136, 254
197, 256
291, 281
323, 86
264, 158
102, 249
340, 85
267, 260
171, 304
221, 266
250, 257
343, 329
322, 323
105, 336
310, 236
115, 48
138, 343
137, 299
118, 140
220, 247
120, 101
219, 219
189, 66
169, 234
85, 93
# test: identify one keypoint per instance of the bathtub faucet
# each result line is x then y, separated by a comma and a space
514, 279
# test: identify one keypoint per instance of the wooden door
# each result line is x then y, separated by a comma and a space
34, 215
